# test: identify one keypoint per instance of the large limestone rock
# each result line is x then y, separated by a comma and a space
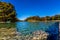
40, 35
37, 35
12, 34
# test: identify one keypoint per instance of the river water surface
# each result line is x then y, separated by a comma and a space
27, 28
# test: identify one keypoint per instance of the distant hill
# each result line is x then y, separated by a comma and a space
47, 18
33, 18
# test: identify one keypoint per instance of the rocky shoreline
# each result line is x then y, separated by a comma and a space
12, 34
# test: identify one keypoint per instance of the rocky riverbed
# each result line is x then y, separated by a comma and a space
12, 34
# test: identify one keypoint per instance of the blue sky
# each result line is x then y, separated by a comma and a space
26, 8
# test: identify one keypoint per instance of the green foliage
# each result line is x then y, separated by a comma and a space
47, 18
7, 12
37, 18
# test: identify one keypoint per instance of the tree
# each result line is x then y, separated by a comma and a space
57, 17
36, 18
47, 18
7, 12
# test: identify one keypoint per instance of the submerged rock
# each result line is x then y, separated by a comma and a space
37, 35
40, 35
12, 34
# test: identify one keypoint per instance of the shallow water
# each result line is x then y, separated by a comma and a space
27, 28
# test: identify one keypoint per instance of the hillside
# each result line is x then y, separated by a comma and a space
47, 18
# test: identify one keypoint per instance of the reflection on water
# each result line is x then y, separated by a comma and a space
7, 25
28, 27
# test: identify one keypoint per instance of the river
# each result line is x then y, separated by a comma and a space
27, 28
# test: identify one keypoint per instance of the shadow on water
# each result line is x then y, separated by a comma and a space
53, 31
7, 25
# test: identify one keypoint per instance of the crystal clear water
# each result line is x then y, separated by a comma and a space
28, 27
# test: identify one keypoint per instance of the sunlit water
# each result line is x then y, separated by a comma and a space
28, 27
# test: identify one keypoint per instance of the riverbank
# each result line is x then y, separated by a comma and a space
43, 21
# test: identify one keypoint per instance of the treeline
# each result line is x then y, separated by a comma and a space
47, 18
7, 12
